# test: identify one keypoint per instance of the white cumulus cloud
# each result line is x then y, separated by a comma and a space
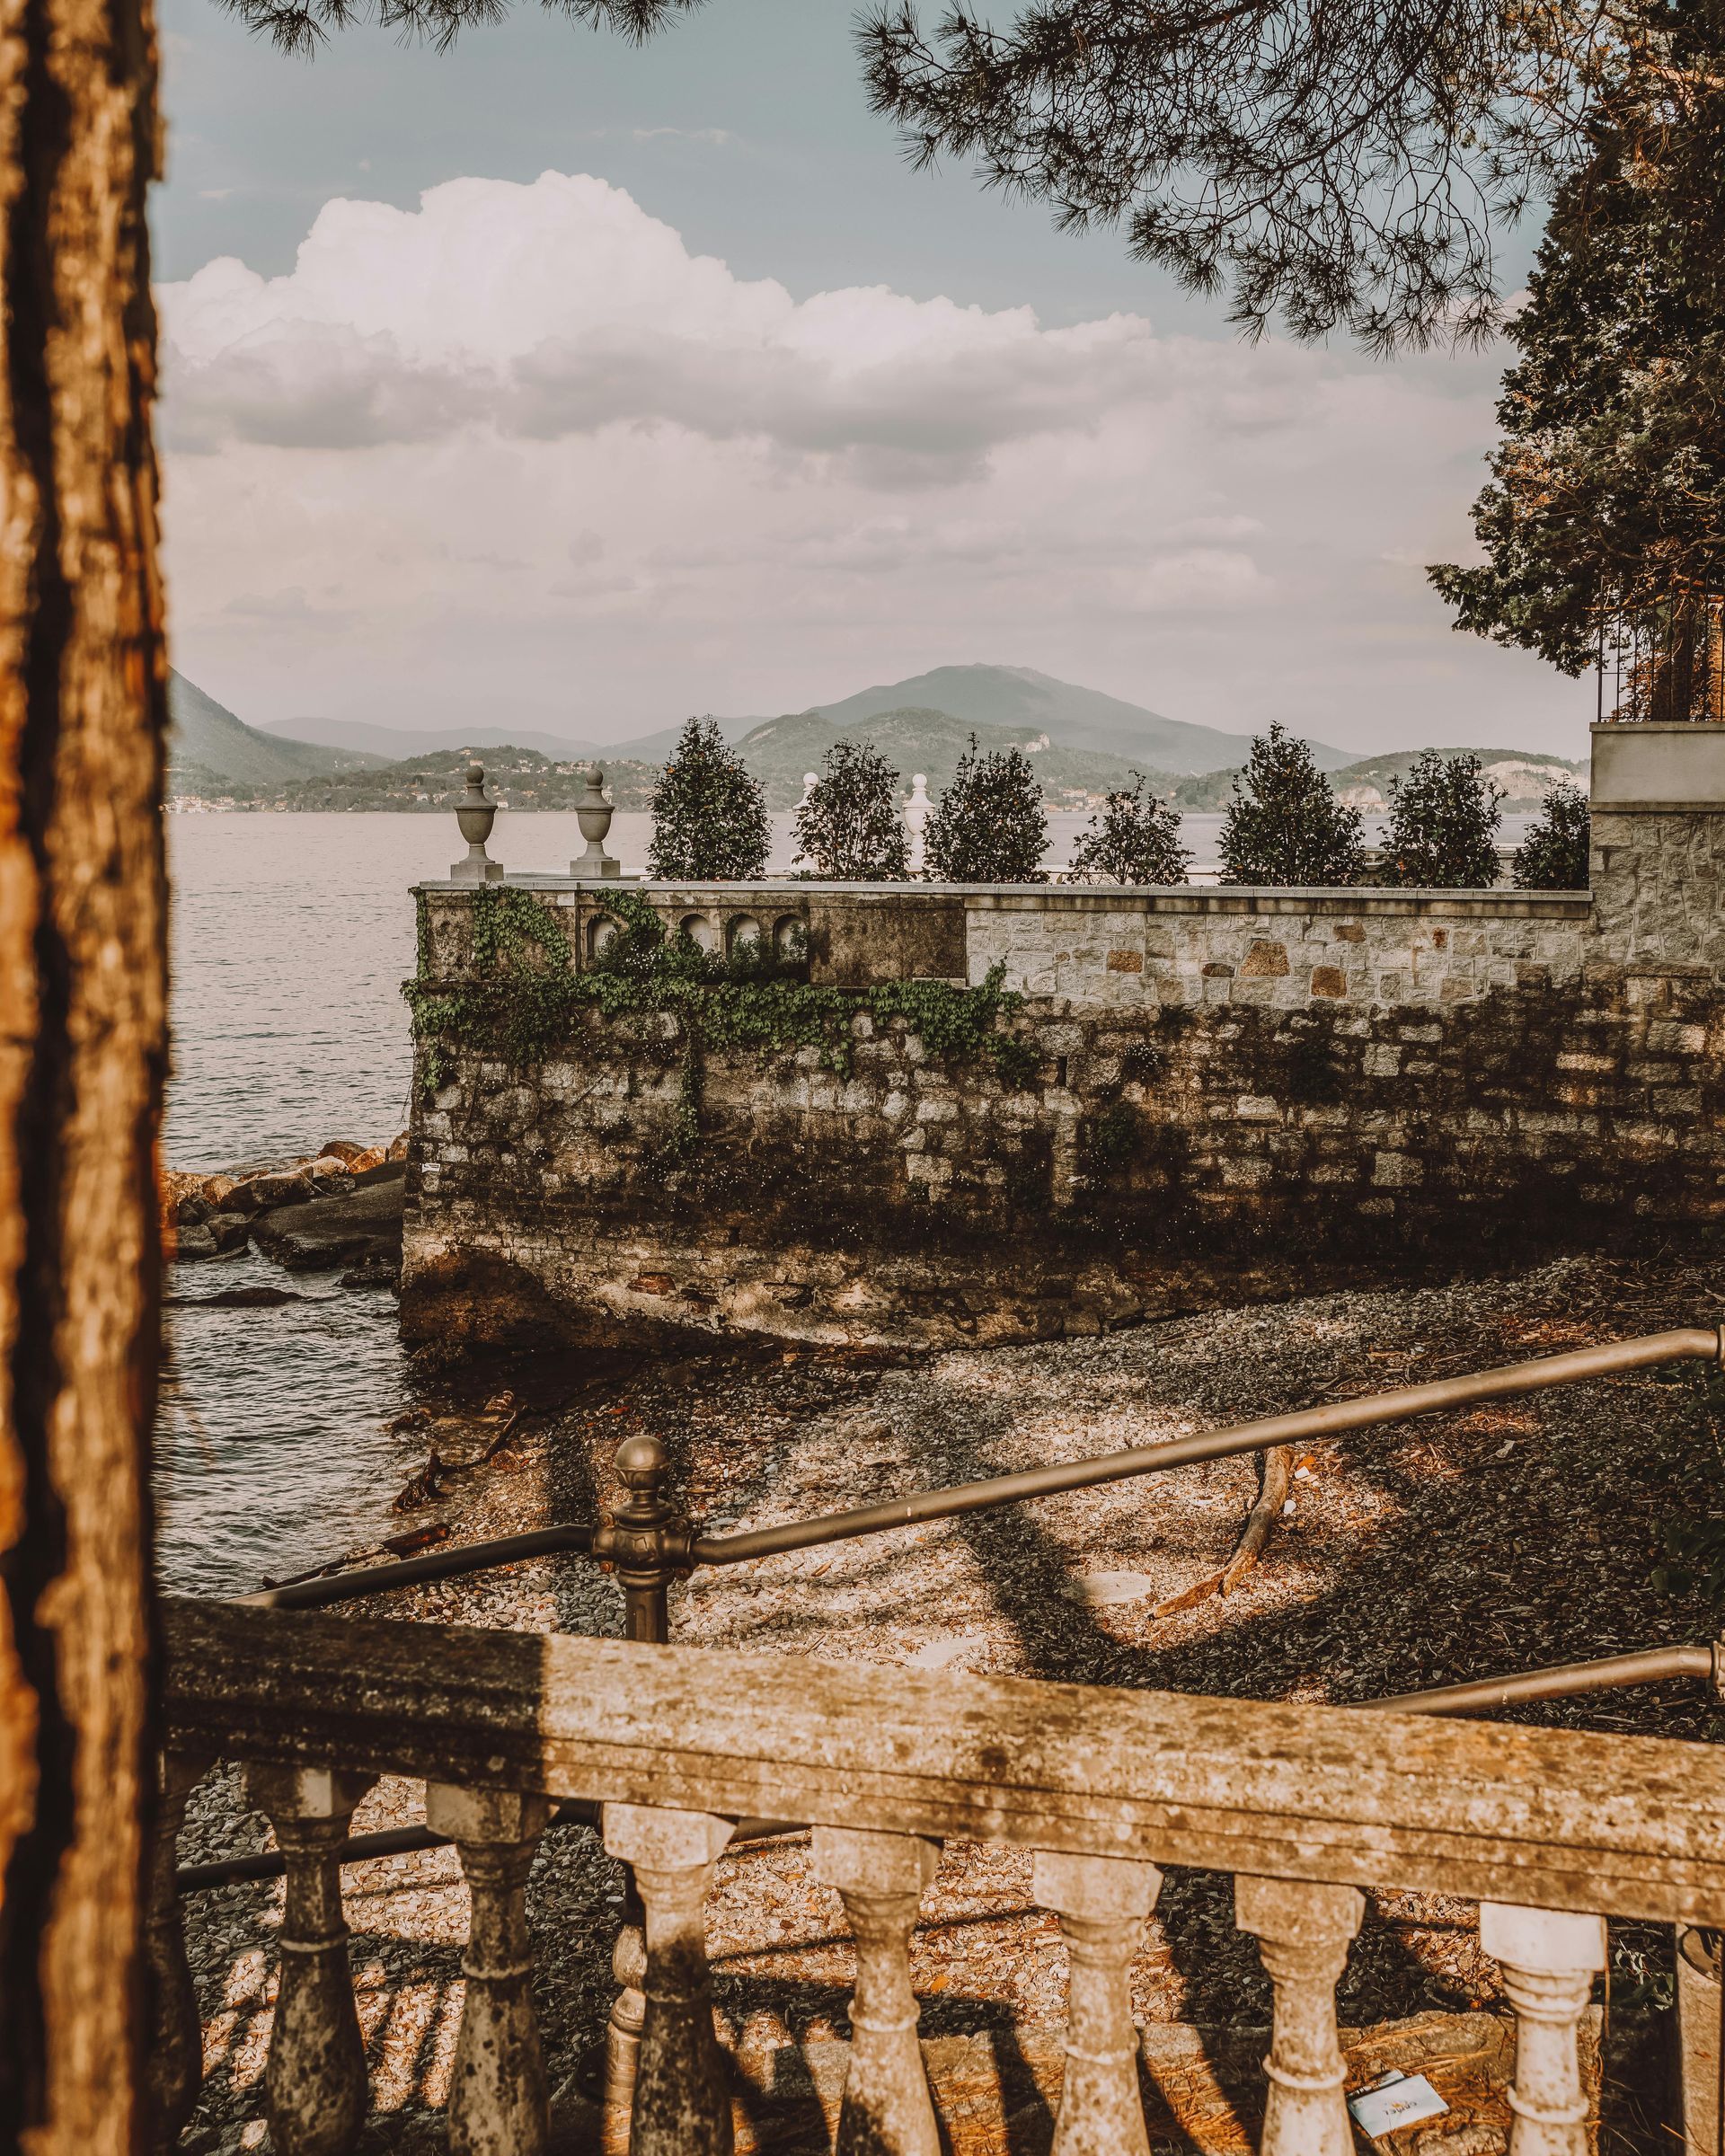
520, 450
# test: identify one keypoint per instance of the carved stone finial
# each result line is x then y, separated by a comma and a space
474, 816
593, 813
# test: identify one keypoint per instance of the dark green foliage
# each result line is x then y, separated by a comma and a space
1607, 489
710, 821
1443, 819
1134, 839
850, 828
1339, 163
1284, 824
521, 1000
1554, 855
302, 26
989, 827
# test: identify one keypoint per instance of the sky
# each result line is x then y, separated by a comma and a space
584, 385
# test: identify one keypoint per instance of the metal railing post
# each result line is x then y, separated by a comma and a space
647, 1540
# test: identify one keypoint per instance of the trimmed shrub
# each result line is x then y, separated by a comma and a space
850, 826
1133, 838
1284, 824
1443, 819
989, 827
709, 820
1554, 855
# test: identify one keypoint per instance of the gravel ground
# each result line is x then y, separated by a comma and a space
1459, 1546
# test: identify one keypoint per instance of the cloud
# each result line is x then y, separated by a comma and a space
521, 442
560, 310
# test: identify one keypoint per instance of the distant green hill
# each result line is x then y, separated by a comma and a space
1524, 776
205, 739
1020, 698
780, 751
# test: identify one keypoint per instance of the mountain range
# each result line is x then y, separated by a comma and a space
1017, 698
207, 745
1082, 744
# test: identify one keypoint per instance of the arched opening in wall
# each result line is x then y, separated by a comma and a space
744, 930
601, 931
787, 934
700, 930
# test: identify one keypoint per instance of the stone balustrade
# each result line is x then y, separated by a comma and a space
1553, 1829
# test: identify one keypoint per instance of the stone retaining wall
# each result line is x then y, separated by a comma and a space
1215, 1071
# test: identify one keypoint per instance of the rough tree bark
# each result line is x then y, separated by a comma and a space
82, 1049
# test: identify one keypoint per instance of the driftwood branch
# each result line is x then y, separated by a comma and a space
1277, 1467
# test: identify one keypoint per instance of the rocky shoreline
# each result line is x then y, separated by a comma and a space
339, 1207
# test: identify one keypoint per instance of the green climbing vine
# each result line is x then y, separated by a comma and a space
521, 999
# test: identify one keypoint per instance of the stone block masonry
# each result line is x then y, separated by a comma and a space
1211, 1072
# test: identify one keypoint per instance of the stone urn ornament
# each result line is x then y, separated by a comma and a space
474, 816
593, 813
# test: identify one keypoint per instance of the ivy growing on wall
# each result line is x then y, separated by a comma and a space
520, 999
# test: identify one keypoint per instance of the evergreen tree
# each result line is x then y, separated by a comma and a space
1443, 819
1133, 838
1554, 856
709, 820
989, 827
850, 826
1284, 826
1608, 491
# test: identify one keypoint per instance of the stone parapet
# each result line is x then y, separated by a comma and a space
1200, 1071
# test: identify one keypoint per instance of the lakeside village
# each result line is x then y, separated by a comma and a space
1037, 1320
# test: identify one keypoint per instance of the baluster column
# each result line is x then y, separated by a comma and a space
1304, 1932
682, 2105
314, 2084
174, 2071
887, 2109
498, 2099
1102, 1903
1549, 1958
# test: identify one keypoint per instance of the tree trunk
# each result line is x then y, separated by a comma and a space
82, 1049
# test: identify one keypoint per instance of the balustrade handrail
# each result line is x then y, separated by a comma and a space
1562, 1681
1563, 1819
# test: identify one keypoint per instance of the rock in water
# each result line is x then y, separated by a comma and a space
194, 1243
229, 1231
288, 1190
238, 1298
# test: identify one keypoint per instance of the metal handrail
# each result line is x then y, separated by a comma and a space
406, 1572
651, 1544
1369, 1412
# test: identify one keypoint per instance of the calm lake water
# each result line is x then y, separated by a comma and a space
292, 935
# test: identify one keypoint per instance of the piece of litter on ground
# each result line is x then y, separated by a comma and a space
1398, 2099
1287, 1508
937, 1652
1302, 1474
1099, 1589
